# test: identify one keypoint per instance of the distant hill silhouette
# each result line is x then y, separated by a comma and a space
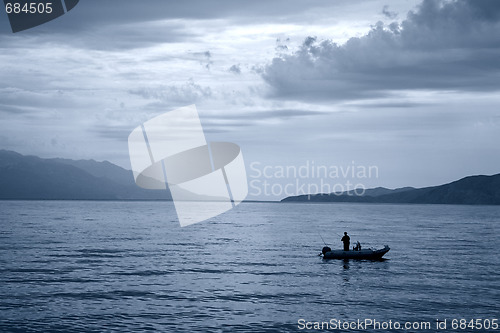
473, 190
103, 169
31, 177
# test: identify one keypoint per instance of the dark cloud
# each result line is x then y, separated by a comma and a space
219, 123
389, 105
117, 132
109, 25
104, 15
389, 14
443, 45
268, 114
102, 37
188, 92
212, 123
12, 110
14, 101
236, 69
133, 36
205, 58
281, 45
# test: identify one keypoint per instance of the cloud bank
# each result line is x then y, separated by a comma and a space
443, 45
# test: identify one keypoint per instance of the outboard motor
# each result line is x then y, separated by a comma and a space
325, 250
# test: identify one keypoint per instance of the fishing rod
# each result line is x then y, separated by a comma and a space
323, 242
322, 239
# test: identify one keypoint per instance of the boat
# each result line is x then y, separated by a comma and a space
368, 254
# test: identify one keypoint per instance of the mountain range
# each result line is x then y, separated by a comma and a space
472, 190
31, 177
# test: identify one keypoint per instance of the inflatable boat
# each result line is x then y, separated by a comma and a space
368, 254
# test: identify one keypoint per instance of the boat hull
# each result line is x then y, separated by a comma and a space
362, 254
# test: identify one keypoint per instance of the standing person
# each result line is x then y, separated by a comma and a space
347, 240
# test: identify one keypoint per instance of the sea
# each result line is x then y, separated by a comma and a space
111, 266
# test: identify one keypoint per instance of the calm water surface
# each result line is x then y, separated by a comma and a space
128, 266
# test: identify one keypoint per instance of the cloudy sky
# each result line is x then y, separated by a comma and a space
411, 87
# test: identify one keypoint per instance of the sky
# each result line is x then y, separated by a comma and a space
410, 88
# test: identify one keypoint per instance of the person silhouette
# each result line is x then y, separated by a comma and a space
347, 240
